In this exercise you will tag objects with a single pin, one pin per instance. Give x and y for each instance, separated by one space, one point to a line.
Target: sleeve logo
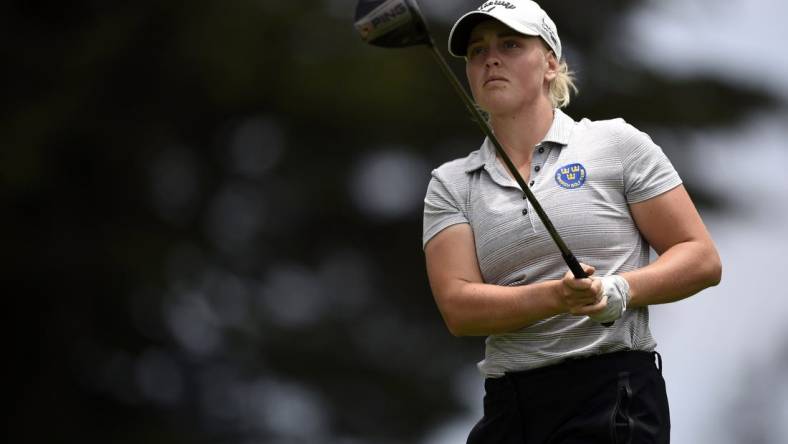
571 176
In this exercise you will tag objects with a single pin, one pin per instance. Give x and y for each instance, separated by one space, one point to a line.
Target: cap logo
549 30
571 176
490 5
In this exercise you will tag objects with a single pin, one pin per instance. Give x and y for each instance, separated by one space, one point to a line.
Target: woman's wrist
616 289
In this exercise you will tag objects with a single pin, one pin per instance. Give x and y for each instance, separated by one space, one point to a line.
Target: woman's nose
492 61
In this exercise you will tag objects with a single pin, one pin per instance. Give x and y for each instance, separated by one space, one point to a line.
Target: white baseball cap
523 16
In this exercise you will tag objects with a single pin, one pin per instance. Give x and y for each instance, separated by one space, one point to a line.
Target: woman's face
507 71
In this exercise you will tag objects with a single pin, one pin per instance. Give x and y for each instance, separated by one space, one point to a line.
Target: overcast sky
738 40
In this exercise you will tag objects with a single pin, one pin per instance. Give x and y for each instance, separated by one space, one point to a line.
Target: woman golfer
553 373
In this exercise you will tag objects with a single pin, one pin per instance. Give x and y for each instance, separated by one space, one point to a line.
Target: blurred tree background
212 214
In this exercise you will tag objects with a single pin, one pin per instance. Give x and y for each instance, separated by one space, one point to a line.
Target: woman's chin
499 109
498 101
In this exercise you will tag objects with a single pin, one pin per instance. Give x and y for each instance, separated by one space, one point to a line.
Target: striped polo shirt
584 174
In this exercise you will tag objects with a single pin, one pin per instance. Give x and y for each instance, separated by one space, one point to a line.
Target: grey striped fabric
584 174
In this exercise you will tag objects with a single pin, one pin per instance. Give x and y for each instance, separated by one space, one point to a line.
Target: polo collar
560 131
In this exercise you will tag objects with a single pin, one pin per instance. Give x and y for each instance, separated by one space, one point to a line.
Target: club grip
574 266
578 272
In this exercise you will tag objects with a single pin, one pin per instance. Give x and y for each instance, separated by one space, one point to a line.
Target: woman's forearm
683 270
478 309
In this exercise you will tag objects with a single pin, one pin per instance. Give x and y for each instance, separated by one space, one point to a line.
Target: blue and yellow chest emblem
571 176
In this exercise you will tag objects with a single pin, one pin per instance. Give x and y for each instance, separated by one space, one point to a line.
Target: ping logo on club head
571 176
383 24
390 15
492 4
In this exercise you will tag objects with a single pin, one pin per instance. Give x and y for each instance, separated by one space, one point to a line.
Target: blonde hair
562 86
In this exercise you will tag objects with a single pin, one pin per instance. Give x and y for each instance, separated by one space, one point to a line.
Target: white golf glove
616 289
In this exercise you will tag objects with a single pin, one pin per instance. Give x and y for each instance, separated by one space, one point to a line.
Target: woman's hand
583 296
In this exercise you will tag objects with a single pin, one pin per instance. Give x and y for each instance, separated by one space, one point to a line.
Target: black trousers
614 398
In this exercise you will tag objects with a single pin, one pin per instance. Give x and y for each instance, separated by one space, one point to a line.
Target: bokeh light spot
389 184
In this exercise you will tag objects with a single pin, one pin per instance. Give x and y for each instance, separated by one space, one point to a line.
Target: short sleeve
647 170
442 208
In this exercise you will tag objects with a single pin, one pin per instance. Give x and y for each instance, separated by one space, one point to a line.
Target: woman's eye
476 50
510 44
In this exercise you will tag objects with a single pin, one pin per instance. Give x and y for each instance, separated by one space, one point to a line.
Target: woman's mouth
492 79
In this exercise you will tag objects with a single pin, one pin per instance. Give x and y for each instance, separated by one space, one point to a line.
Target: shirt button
537 168
541 149
524 195
525 211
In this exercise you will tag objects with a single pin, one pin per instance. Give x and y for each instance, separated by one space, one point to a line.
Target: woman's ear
551 71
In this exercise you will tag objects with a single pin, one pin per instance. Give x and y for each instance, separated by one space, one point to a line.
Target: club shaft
569 258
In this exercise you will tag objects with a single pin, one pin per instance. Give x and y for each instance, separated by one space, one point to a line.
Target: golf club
399 24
